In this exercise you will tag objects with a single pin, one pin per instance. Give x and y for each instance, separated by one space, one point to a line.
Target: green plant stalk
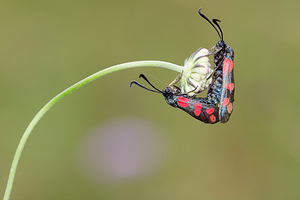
64 93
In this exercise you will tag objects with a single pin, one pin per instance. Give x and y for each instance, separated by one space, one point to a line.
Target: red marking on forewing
225 101
229 86
197 105
229 108
197 110
182 104
226 64
183 99
210 110
230 65
212 118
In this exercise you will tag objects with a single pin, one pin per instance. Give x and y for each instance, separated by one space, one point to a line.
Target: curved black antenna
202 15
144 77
215 21
136 83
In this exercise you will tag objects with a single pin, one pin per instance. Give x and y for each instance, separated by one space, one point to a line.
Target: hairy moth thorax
169 93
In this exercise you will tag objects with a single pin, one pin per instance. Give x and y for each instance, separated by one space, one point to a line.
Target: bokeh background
109 141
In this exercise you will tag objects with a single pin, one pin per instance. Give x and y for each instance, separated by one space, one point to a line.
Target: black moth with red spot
217 105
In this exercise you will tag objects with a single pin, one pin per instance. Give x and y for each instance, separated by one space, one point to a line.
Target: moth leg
176 80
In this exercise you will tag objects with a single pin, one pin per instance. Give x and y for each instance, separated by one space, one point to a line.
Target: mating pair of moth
217 106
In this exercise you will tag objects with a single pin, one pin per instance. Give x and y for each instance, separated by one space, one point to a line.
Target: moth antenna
136 83
215 21
202 15
144 77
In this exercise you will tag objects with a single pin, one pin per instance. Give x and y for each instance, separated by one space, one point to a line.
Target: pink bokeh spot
122 150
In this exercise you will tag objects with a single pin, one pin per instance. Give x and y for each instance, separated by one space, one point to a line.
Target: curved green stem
64 93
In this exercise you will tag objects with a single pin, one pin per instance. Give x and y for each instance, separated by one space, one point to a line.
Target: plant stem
64 93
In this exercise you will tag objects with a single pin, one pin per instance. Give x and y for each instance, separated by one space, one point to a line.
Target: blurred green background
107 141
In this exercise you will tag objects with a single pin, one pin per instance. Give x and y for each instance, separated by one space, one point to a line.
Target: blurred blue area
47 46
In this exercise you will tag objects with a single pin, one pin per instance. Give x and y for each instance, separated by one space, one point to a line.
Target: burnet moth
217 106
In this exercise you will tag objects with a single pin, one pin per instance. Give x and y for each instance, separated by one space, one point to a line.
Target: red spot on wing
210 110
230 66
197 105
229 86
212 118
183 99
225 101
197 110
229 108
226 64
182 104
